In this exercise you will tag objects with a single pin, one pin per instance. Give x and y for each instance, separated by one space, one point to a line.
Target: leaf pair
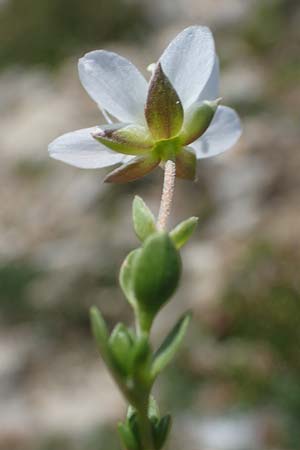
129 431
144 224
125 354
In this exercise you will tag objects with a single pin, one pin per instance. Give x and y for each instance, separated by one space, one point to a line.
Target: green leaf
130 412
126 277
121 344
127 437
164 111
156 271
141 351
161 431
143 219
99 330
153 410
164 355
183 231
133 424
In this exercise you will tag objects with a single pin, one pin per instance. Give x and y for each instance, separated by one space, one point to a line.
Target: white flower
189 69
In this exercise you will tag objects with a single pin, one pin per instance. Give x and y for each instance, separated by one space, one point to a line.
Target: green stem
143 328
143 322
145 426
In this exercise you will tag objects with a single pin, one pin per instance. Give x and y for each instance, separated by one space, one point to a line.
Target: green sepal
197 119
164 111
126 277
186 164
129 139
183 231
156 271
127 438
134 169
143 219
121 344
161 430
164 355
99 330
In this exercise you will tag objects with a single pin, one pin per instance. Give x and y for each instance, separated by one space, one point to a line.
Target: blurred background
64 234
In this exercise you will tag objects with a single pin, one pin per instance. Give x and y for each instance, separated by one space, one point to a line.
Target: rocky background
63 234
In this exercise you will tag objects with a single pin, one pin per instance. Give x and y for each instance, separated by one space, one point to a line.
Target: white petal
188 62
222 134
115 84
211 90
80 149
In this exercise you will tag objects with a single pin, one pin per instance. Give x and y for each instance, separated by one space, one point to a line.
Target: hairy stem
167 195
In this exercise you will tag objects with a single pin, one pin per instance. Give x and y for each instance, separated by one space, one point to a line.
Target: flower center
167 148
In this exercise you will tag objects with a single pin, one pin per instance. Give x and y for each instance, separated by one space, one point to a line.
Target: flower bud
156 272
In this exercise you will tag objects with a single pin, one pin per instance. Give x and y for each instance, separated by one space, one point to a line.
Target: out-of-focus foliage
267 37
47 31
263 301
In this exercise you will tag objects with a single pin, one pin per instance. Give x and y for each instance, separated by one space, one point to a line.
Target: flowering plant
171 122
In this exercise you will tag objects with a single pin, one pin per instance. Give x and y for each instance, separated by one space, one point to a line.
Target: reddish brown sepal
186 164
137 168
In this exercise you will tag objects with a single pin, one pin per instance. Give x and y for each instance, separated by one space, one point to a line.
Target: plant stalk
167 195
145 427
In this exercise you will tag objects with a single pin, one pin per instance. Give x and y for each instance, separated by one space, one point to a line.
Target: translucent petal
188 62
114 83
211 90
223 133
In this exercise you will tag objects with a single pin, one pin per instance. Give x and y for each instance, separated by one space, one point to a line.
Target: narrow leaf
127 437
131 171
130 412
183 231
143 219
121 344
162 431
126 277
133 424
170 346
141 351
164 112
99 329
153 410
